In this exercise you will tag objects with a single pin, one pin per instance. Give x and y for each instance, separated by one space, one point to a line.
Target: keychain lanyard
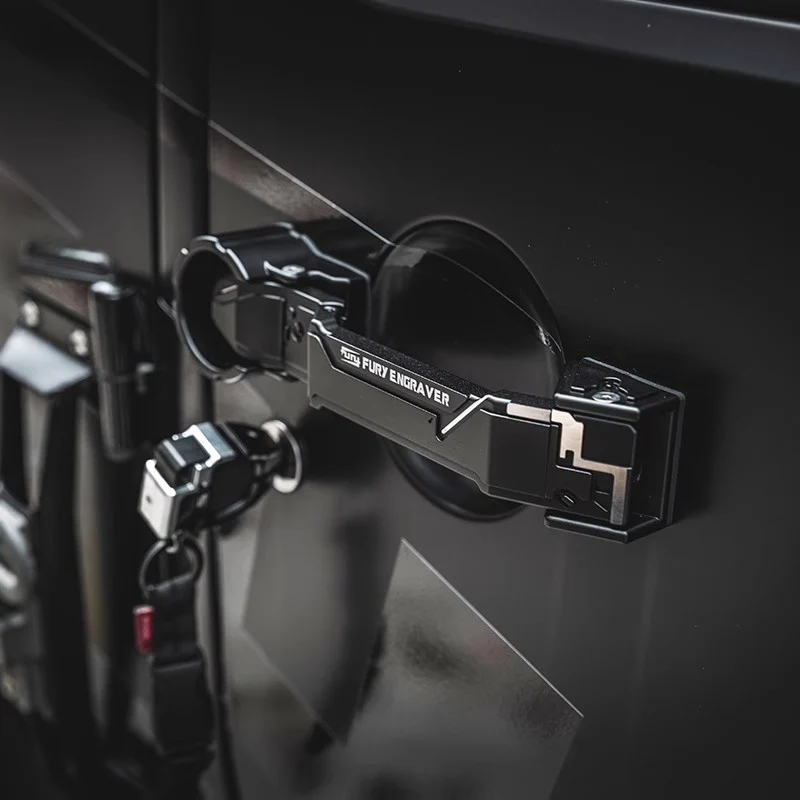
166 630
207 475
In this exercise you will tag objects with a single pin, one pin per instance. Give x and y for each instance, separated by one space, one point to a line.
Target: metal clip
211 473
179 475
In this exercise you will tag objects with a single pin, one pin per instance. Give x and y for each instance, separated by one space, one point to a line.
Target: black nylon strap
183 723
183 719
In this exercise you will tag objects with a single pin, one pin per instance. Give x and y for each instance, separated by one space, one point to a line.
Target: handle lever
600 455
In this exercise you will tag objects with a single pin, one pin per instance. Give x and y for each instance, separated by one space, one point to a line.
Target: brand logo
388 374
351 356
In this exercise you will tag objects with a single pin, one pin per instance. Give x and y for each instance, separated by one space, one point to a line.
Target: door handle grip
600 455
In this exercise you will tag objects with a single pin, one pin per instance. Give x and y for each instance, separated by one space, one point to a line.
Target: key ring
171 546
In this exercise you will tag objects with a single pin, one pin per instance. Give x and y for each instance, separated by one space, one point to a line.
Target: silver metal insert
529 412
476 404
572 440
217 447
159 502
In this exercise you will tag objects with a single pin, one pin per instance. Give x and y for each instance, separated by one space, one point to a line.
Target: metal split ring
171 546
282 435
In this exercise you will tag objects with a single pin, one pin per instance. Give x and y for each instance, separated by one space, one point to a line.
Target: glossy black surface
125 30
460 315
75 128
494 727
754 37
653 206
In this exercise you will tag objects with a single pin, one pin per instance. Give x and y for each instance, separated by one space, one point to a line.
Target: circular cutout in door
453 295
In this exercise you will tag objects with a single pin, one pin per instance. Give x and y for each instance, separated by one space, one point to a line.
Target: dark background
656 205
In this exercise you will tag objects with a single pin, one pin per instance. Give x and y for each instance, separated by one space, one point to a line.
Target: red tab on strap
143 629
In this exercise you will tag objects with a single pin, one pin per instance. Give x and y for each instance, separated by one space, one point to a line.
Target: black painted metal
444 311
74 151
745 36
50 677
99 106
654 206
642 198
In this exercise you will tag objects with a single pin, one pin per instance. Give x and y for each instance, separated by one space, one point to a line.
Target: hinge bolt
30 314
79 343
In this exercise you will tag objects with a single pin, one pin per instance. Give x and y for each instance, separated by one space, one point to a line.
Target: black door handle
600 454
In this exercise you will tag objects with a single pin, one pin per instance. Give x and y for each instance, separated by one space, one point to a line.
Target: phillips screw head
606 397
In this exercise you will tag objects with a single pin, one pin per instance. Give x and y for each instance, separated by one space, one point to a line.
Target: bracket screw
30 314
79 342
606 397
